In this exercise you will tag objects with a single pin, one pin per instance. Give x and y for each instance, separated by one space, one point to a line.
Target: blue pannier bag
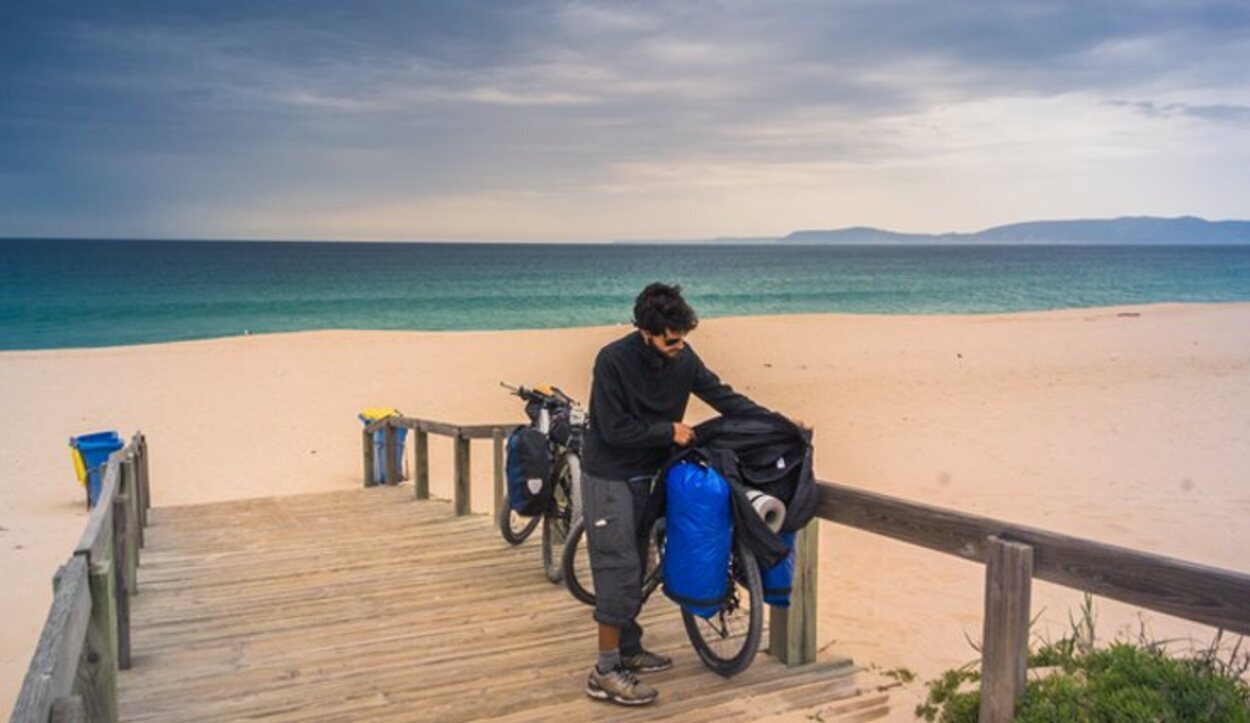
779 578
529 471
699 538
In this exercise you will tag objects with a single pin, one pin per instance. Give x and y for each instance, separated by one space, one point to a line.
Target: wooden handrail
86 638
1209 595
461 436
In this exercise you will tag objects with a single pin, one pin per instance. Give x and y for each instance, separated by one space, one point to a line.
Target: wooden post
121 582
497 438
130 486
390 438
367 439
134 535
792 631
421 448
145 488
1004 645
97 671
53 667
463 497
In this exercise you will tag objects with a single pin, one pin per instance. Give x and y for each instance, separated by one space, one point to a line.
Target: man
642 384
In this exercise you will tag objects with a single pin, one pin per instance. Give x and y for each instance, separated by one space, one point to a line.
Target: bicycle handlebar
556 398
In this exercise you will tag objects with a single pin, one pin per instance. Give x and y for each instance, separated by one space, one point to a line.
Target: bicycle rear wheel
728 640
515 528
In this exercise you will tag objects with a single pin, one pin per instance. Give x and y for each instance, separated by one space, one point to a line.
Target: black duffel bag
529 471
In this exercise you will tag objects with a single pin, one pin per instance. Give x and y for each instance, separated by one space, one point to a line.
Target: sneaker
619 686
646 662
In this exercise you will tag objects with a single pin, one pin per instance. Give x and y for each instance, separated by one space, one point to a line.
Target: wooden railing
461 436
1012 554
86 639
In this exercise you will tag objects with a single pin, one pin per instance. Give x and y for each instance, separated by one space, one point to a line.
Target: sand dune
1126 425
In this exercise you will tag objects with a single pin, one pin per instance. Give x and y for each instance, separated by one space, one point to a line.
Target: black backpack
529 469
772 455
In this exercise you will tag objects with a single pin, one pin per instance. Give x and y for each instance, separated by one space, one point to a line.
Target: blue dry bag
779 578
700 535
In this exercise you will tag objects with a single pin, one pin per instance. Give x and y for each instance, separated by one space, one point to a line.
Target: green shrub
1122 682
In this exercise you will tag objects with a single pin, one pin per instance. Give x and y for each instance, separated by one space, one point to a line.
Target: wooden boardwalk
367 605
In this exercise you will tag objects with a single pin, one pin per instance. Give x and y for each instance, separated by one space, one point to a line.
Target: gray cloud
124 116
1220 113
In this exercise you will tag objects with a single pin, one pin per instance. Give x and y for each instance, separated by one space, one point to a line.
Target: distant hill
1127 230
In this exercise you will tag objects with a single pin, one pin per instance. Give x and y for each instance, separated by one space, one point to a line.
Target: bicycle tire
557 521
577 575
508 520
575 563
712 639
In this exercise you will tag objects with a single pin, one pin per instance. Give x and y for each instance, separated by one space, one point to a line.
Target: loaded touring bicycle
723 545
544 473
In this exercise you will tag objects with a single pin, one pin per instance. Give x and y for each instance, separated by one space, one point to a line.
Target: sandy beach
1124 425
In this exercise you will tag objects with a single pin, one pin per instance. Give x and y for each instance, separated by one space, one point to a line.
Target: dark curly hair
661 308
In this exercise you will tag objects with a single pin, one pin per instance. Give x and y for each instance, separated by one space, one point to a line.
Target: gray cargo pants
613 509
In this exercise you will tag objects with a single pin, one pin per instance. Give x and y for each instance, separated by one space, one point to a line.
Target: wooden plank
792 631
462 498
497 482
442 428
390 441
367 451
1210 595
52 668
1004 645
421 449
486 431
97 538
121 581
97 670
446 429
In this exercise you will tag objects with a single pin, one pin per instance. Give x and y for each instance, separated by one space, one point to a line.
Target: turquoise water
71 293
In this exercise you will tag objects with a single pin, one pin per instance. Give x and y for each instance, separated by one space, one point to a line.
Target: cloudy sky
565 121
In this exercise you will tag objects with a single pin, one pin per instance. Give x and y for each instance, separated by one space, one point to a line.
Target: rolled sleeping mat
769 508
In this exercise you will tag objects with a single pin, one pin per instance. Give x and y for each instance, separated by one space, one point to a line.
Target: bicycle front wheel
515 528
727 641
575 564
556 522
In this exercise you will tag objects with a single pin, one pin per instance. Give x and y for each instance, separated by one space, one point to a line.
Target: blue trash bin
95 450
372 415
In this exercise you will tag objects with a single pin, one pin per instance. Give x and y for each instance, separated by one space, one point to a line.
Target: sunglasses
671 340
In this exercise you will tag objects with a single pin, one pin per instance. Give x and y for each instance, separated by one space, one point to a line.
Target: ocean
82 293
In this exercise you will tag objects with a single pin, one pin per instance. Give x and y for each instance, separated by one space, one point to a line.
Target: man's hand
682 435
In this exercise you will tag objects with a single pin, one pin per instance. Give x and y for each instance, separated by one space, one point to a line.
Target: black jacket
636 396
